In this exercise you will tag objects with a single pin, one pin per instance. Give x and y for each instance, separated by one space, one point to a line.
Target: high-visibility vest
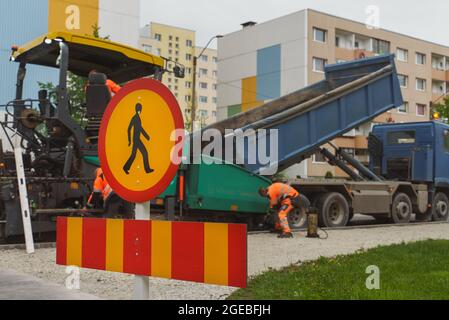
278 192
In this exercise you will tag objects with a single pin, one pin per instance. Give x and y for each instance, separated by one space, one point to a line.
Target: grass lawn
408 271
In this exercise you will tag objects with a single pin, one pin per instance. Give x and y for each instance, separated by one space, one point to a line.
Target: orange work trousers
286 208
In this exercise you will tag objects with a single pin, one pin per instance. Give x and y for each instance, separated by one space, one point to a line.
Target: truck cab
415 152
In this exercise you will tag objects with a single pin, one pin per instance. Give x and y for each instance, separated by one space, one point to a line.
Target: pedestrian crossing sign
140 141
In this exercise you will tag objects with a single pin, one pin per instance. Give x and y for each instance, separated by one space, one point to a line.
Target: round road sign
136 140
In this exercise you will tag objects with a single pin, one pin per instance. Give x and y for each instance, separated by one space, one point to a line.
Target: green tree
442 108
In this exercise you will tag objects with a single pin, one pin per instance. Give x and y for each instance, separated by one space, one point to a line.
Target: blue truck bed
352 93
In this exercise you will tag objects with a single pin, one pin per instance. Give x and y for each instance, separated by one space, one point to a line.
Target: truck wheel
298 218
334 210
401 209
440 207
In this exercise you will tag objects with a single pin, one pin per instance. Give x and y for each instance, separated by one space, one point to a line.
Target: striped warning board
211 253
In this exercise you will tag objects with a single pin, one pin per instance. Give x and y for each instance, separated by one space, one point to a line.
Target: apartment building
264 61
207 86
179 45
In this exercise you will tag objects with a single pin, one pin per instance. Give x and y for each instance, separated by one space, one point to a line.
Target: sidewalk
15 286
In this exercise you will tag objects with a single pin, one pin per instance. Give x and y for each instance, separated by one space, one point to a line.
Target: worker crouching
285 199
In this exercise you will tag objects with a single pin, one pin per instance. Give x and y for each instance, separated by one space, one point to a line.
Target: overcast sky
428 20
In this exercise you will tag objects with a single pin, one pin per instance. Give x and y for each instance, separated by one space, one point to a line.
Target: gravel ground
265 251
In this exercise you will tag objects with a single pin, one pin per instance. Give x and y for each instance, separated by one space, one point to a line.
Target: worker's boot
285 235
276 231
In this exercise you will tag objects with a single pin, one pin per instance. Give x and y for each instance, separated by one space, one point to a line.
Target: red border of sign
161 186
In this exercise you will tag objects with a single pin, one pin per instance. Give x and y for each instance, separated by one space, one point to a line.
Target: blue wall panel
22 21
269 73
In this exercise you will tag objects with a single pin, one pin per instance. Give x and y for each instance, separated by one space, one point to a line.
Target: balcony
440 74
361 142
351 54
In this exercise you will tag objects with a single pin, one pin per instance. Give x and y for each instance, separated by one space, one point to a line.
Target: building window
421 110
420 84
204 113
147 48
158 37
403 80
319 64
381 46
204 58
214 114
215 73
404 108
420 58
319 35
189 70
170 38
402 55
188 84
203 72
203 85
189 43
215 59
214 86
349 151
159 52
203 99
214 100
319 158
188 57
188 98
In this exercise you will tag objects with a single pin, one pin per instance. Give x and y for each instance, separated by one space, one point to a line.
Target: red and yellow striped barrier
211 253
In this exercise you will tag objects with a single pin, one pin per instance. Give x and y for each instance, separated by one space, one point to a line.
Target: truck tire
440 207
334 210
298 218
401 209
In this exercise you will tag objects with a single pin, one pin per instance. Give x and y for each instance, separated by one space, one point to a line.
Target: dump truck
60 154
408 170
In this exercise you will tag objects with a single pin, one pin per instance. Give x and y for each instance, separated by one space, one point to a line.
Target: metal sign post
142 284
24 205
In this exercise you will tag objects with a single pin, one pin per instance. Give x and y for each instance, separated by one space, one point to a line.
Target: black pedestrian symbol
137 144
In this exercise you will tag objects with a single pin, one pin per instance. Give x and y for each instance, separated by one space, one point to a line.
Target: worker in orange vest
103 195
113 87
285 198
97 197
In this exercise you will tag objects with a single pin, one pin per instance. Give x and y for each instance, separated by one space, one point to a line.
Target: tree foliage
443 108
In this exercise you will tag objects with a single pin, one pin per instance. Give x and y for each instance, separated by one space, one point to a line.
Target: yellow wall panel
77 16
249 94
